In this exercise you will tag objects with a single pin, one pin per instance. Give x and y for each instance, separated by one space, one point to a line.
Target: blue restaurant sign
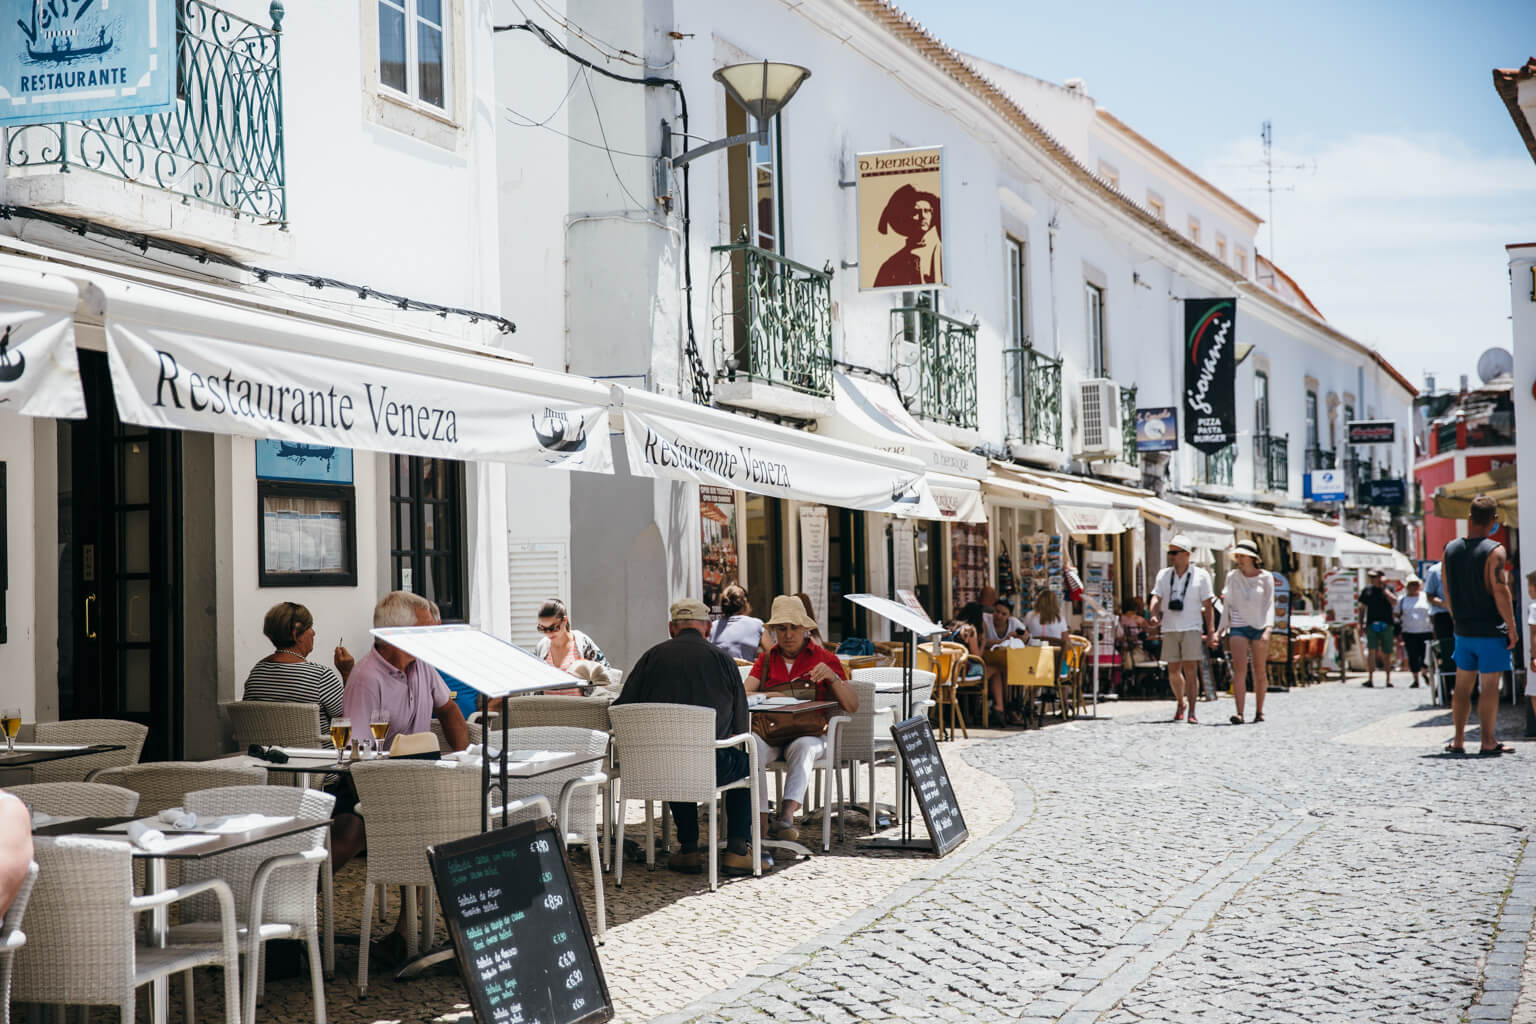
1157 430
1389 493
73 60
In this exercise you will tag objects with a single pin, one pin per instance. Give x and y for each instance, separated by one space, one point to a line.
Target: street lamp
762 88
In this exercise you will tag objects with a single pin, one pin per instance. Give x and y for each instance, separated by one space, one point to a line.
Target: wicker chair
81 947
12 938
867 740
78 799
949 671
273 882
129 735
410 806
825 774
580 712
275 722
667 752
164 784
575 793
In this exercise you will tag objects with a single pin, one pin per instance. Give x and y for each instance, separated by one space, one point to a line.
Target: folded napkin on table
144 837
177 818
39 818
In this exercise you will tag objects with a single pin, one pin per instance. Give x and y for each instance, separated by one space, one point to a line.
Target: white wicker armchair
273 882
129 735
667 752
540 709
81 947
164 784
574 792
12 938
280 722
410 806
78 799
825 774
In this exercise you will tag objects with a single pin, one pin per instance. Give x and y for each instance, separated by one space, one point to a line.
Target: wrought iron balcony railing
1357 479
1318 458
1271 463
772 320
1219 467
1128 425
946 360
1034 396
222 144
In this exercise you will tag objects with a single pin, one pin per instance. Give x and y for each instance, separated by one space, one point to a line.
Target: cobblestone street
1327 865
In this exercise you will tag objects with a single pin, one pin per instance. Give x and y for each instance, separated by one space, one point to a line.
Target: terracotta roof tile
1507 82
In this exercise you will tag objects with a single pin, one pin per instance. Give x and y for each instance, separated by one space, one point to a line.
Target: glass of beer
341 734
10 718
378 723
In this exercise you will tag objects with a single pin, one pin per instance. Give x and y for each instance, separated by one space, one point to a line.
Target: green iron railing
1034 396
223 141
1219 466
946 388
1271 463
773 320
1317 458
1128 454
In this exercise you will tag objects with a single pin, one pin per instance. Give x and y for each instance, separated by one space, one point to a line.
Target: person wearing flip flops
1183 603
1247 617
1476 578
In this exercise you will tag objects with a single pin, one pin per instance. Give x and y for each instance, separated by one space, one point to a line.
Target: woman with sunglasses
560 644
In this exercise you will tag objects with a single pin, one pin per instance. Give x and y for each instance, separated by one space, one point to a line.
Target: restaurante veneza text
280 403
721 462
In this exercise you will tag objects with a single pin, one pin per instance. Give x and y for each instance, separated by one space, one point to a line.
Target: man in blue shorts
1475 573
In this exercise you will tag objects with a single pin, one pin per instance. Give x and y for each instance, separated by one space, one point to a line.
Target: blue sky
1421 178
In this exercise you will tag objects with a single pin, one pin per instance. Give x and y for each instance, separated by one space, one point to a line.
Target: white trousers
801 754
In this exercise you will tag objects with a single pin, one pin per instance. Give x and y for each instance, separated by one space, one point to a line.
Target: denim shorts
1248 632
1482 654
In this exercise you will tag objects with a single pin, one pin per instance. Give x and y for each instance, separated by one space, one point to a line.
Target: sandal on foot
1237 719
1455 751
1258 717
1501 749
1192 719
1178 716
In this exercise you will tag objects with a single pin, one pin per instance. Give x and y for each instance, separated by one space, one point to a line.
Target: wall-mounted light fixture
762 89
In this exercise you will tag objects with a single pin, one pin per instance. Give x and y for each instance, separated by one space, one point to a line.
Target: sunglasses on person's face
551 629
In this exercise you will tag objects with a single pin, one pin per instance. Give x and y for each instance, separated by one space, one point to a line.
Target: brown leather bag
779 730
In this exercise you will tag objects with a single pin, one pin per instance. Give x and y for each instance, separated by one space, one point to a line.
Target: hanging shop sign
1371 431
39 372
1389 493
717 521
73 60
813 559
1324 485
1210 373
901 244
1157 430
180 363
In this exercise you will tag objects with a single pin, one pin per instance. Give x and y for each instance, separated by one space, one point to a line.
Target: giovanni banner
1210 373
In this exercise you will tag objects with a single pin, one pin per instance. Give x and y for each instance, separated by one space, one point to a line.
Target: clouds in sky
1399 240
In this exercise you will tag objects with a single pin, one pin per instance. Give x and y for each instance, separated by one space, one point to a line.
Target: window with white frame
1097 364
1018 332
1242 262
1221 247
413 56
1194 230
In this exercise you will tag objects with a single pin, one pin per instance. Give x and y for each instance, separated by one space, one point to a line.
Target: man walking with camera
1183 602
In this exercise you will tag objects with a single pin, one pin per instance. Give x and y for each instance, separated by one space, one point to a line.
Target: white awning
958 498
184 362
671 439
1004 488
1083 509
1202 530
39 373
1305 535
1359 553
868 413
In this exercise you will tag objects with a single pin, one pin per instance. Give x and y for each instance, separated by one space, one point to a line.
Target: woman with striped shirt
287 674
1248 616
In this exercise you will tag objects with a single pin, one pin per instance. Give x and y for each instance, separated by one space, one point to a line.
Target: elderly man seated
796 658
389 679
688 669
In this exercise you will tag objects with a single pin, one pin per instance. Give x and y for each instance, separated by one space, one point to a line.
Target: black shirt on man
1464 573
688 669
1378 606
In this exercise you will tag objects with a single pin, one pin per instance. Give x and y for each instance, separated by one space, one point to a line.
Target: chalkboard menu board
930 782
518 928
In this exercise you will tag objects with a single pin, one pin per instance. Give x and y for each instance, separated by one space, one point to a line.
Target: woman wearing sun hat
1247 617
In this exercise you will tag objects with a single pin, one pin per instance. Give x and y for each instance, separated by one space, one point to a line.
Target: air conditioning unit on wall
1101 436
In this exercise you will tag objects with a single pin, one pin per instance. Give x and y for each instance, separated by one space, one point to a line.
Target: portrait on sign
901 219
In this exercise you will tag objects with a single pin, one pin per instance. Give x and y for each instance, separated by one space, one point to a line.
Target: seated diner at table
970 630
1001 624
796 657
15 847
563 645
736 631
287 674
1045 621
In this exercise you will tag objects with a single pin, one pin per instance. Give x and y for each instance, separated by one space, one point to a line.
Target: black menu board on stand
930 782
518 927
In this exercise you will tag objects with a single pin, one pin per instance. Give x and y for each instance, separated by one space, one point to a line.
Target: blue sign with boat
311 463
74 60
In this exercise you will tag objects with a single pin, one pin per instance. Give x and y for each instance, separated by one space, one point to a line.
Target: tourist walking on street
1376 607
1182 604
1248 618
1414 623
1476 577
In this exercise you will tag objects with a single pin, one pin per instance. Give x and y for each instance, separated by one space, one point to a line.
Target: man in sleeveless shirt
1475 573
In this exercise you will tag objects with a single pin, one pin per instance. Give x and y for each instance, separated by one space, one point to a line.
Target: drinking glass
341 734
10 718
378 723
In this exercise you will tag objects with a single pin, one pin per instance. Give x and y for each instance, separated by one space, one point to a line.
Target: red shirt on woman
772 669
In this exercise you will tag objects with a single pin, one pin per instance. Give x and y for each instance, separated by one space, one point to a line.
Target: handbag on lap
778 730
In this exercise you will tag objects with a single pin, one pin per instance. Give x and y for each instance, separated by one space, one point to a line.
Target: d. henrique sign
69 60
708 448
1210 374
468 407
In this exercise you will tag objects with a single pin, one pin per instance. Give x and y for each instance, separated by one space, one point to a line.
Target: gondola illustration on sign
11 366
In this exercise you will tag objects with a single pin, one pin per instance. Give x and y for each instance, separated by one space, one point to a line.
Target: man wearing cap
1378 611
796 656
1183 603
688 669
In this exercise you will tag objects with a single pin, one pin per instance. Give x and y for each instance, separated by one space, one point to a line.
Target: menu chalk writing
518 927
930 783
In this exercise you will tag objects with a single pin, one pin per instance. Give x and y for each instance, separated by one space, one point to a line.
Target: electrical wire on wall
702 392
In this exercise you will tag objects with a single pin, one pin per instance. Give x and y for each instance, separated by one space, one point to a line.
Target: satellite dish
1496 362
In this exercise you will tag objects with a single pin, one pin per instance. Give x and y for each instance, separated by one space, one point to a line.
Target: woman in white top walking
1248 616
1415 626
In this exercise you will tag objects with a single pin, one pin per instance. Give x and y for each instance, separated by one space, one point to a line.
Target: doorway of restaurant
120 571
847 549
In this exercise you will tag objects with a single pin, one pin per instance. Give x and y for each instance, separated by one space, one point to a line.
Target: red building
1460 434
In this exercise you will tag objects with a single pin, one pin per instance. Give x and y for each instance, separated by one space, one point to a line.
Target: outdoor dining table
192 844
36 753
521 764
